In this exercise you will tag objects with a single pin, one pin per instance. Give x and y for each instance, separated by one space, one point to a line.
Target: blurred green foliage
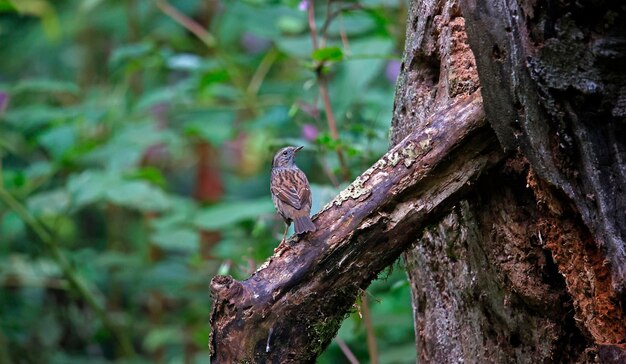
136 140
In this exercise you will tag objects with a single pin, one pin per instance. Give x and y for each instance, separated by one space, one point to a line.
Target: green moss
324 331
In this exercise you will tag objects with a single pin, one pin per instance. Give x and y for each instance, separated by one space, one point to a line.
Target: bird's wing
292 187
305 192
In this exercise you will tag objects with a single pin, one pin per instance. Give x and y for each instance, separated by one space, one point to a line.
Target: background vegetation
136 140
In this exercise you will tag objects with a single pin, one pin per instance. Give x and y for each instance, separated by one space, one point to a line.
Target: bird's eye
285 153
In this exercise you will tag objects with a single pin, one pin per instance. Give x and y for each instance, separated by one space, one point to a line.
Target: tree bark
291 308
555 88
514 256
529 266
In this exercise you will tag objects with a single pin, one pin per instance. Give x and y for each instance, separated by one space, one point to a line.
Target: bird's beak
298 148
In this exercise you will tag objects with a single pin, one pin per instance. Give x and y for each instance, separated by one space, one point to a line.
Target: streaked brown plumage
291 192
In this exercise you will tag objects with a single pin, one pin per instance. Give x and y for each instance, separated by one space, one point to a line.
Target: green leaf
186 240
162 95
44 11
10 143
94 186
39 170
214 76
13 179
129 52
57 140
291 24
353 24
88 187
138 195
163 336
297 46
169 276
33 271
216 127
182 212
149 174
6 6
46 86
221 215
52 202
88 5
36 116
258 19
11 226
125 149
354 74
327 54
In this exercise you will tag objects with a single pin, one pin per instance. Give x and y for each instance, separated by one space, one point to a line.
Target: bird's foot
281 248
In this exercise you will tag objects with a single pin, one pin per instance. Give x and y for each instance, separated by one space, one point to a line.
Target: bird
291 192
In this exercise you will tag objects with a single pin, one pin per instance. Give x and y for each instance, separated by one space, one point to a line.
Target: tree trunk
530 266
514 245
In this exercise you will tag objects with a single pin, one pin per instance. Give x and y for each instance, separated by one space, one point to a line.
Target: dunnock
291 192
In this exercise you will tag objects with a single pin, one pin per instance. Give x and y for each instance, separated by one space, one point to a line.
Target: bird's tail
303 224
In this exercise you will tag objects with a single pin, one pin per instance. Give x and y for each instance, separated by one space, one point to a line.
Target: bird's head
285 157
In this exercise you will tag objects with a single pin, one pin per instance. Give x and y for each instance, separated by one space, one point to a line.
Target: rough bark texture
515 257
292 307
530 266
555 87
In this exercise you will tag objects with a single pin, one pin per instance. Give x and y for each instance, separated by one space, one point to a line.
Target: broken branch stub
290 309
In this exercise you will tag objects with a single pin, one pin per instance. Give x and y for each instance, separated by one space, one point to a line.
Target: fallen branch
291 308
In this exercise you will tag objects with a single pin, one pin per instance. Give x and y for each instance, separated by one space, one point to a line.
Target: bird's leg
282 247
285 234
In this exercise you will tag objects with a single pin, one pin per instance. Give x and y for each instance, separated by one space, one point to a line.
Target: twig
312 27
323 85
326 20
372 348
187 23
328 107
330 16
211 42
261 71
346 351
132 23
332 125
91 295
344 39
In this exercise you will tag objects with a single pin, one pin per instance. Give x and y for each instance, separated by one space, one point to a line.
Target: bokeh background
136 140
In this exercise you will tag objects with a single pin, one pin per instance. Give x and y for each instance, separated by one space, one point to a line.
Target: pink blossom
309 132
